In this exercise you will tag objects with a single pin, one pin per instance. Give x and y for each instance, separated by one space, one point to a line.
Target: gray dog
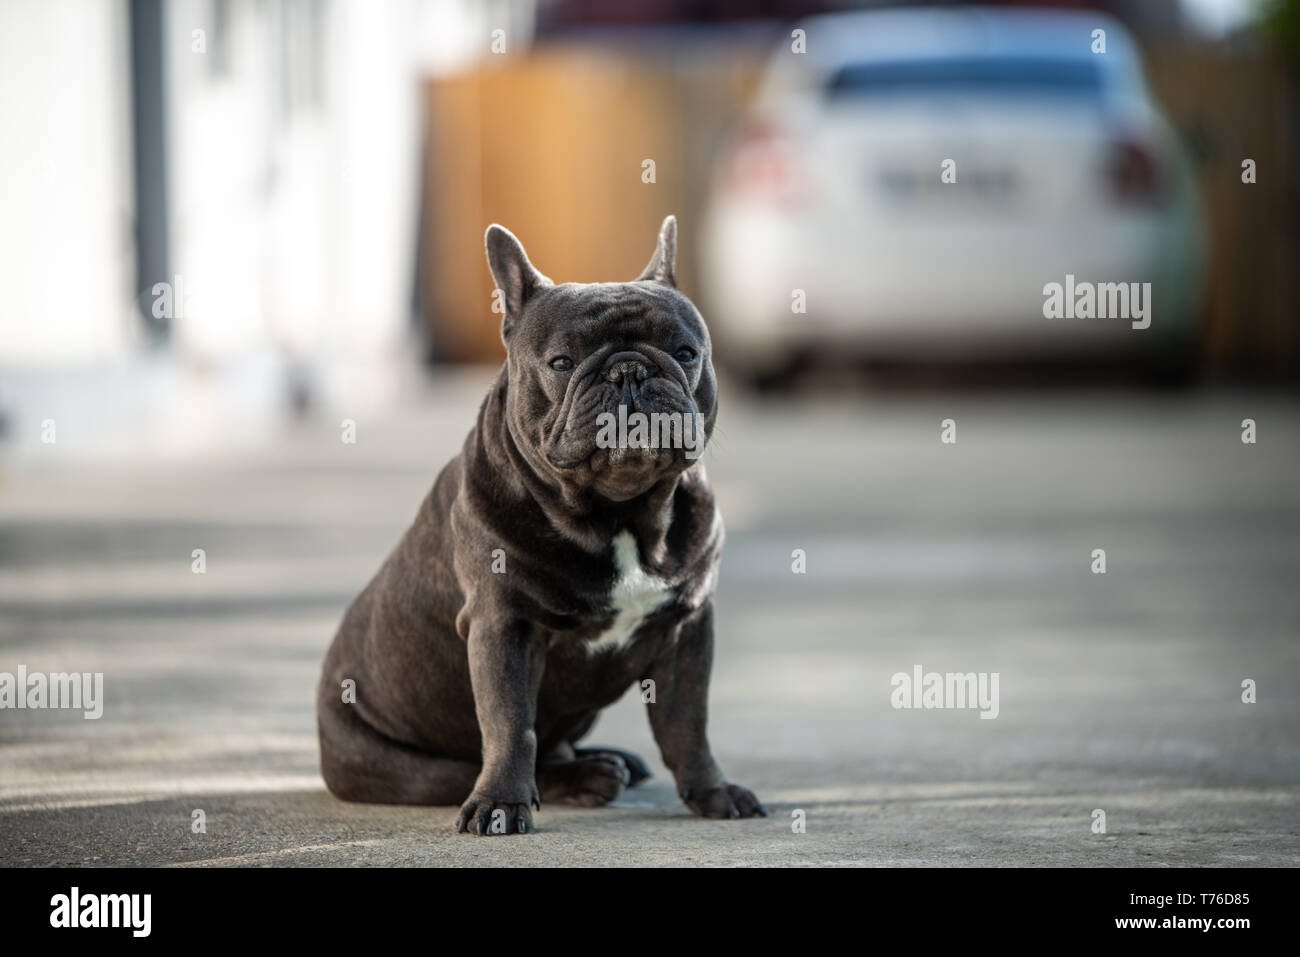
545 573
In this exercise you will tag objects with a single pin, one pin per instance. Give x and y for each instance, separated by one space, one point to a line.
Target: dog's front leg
679 718
505 670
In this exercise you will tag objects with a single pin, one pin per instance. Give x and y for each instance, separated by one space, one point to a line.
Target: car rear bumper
972 291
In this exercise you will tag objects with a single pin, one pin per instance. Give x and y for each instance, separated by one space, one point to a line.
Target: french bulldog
546 573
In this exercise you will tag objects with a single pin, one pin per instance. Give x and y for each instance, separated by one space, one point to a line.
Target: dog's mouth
629 437
622 435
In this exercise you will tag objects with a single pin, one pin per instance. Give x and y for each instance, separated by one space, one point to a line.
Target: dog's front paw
483 814
728 801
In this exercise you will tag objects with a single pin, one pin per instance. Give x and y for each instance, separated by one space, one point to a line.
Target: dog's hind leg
360 764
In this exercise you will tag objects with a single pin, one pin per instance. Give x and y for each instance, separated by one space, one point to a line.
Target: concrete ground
1119 692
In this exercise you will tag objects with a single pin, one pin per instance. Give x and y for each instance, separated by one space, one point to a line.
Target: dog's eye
685 355
561 363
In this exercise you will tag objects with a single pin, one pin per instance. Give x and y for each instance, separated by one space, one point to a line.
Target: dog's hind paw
590 780
637 768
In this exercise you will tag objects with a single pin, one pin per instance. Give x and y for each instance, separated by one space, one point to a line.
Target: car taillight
763 166
1134 173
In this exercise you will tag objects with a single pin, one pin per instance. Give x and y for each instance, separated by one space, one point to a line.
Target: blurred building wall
294 147
66 256
293 142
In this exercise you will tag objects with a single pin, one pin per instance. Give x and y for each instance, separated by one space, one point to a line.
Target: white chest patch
634 596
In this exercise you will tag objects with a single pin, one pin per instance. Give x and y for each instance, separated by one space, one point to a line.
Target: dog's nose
627 371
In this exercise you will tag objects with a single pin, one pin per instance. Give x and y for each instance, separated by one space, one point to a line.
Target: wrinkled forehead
596 313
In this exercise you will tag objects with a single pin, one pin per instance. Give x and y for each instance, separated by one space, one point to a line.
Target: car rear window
1007 76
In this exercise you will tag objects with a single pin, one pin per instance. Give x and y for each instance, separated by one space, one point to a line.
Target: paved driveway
1119 692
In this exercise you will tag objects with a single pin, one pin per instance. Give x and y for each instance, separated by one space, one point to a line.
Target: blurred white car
834 190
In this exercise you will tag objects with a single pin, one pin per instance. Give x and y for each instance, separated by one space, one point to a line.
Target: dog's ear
660 268
514 275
